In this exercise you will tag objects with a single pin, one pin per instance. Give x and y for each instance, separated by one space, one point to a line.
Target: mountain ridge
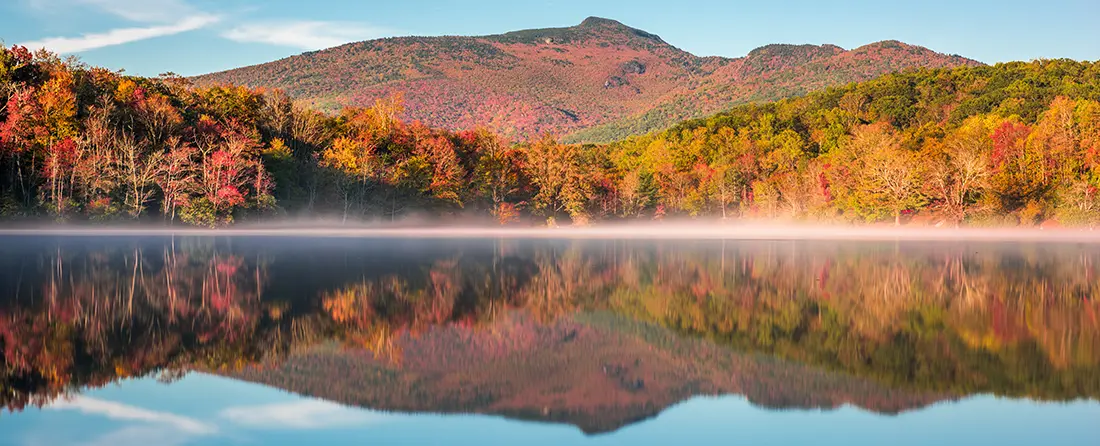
598 372
600 73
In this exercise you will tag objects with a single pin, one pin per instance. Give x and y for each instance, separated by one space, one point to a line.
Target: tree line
1014 143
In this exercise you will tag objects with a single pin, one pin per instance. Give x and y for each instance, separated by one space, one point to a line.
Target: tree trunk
897 217
723 199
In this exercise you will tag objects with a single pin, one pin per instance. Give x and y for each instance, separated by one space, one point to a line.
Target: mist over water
657 231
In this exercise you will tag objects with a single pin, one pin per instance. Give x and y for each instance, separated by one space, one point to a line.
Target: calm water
196 341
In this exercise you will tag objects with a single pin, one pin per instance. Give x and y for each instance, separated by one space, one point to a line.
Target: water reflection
597 334
207 410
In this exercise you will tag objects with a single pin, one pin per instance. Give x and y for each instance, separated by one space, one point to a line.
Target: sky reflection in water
209 410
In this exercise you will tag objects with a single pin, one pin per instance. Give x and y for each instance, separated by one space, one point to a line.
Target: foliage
1015 142
968 144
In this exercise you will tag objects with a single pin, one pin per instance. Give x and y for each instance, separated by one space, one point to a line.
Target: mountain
595 371
600 76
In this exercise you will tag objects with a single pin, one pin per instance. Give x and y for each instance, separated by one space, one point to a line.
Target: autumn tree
44 125
1067 131
892 175
18 133
158 118
880 176
498 171
1021 172
356 168
634 193
736 167
176 177
138 164
230 176
57 168
560 178
959 173
95 170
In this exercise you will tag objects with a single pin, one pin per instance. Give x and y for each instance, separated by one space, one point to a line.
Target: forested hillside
1014 143
600 73
1009 144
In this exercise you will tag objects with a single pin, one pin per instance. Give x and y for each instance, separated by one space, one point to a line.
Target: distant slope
597 372
771 73
600 73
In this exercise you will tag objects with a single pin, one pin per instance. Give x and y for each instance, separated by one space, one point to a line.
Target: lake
204 340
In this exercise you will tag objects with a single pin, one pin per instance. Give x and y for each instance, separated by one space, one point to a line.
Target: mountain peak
891 44
600 23
597 22
592 27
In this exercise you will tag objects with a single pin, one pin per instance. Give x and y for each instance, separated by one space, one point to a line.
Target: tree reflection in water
943 319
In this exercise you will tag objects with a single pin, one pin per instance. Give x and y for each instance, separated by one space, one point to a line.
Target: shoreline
623 232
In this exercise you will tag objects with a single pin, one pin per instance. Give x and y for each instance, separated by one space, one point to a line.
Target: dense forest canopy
1015 143
1010 143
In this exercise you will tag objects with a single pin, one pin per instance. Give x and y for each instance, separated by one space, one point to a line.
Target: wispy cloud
140 11
159 18
144 11
140 436
119 411
310 35
300 415
156 18
68 45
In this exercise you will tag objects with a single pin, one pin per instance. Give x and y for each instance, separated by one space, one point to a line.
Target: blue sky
149 37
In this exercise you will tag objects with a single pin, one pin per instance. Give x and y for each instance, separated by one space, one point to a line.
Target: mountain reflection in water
596 334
